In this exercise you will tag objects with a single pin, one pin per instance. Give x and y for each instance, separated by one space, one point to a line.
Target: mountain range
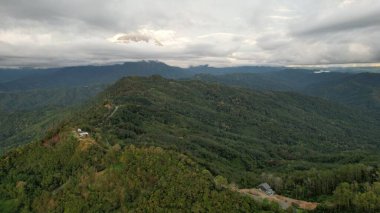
165 138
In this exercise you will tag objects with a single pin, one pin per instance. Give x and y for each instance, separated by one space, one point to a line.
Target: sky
54 33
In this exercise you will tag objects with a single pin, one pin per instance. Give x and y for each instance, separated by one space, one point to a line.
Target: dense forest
172 141
305 147
360 90
18 128
27 115
29 100
67 174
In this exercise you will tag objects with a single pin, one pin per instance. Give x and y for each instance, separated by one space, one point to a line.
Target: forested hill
361 90
87 75
283 80
26 115
30 100
305 147
65 173
234 132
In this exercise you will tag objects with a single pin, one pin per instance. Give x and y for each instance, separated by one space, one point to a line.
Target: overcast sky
49 33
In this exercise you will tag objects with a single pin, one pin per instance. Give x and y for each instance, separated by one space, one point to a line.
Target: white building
82 134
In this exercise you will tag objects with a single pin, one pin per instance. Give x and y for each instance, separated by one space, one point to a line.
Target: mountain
164 144
69 174
32 91
29 100
273 76
14 74
27 79
235 132
21 127
90 75
205 69
359 90
26 115
283 80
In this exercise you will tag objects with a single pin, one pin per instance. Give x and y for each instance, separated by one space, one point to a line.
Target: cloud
347 22
134 37
48 33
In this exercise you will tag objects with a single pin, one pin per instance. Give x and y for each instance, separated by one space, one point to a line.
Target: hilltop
66 173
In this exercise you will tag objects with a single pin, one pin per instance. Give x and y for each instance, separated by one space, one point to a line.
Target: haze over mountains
341 85
48 90
87 75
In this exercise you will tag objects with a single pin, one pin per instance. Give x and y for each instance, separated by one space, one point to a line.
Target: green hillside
283 80
38 98
67 174
305 147
19 128
26 115
234 132
360 90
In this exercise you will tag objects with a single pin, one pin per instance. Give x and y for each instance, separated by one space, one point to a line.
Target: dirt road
284 202
114 111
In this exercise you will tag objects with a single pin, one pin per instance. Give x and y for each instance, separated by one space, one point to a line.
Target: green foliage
314 184
66 176
354 198
360 90
39 98
27 115
304 147
233 132
220 181
18 128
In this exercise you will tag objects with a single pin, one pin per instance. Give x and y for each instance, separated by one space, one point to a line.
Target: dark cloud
350 23
136 37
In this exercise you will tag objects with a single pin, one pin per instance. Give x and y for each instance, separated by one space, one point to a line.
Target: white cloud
68 32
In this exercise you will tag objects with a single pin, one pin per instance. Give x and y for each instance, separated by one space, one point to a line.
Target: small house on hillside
266 188
82 134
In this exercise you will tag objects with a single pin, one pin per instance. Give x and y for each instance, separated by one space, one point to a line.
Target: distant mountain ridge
352 88
106 74
360 90
89 75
